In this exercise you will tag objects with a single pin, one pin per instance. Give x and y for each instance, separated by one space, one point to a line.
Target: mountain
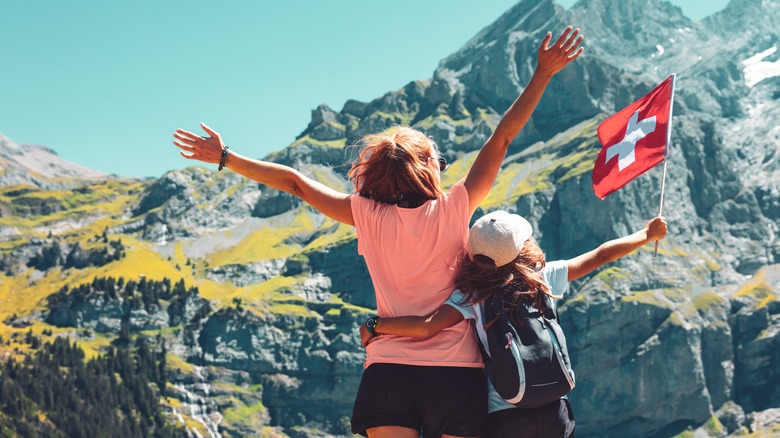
38 166
258 298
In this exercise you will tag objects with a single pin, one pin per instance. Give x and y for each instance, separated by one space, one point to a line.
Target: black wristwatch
371 324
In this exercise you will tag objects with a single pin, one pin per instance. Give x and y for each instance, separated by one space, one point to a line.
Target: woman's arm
414 326
329 202
551 60
615 249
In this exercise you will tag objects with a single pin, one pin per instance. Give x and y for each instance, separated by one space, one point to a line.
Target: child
502 257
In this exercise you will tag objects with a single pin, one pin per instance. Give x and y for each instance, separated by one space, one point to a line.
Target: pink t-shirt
411 254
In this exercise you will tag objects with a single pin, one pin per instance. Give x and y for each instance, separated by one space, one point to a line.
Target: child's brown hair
480 279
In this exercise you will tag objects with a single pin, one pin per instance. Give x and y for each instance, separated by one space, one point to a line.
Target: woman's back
410 253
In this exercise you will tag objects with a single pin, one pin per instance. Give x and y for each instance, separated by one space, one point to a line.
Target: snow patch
756 69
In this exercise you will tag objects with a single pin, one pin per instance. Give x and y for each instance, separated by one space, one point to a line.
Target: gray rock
273 202
246 274
661 345
731 416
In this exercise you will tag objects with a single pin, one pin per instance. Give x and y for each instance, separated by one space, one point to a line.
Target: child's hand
656 229
365 336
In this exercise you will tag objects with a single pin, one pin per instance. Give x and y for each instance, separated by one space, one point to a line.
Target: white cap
499 235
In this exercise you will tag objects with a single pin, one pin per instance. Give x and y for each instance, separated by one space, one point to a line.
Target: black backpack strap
548 304
492 309
485 356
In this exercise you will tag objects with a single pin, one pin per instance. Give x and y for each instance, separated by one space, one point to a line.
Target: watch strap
371 324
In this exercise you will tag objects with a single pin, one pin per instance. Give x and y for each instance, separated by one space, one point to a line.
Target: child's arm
414 326
615 249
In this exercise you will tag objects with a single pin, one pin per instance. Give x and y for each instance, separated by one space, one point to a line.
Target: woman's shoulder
364 203
457 189
456 199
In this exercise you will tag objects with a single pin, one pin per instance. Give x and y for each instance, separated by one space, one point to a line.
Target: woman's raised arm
329 202
551 60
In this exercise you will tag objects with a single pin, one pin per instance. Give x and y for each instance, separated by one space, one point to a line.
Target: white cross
624 149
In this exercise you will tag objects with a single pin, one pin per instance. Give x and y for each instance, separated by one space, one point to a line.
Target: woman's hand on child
196 147
656 229
365 336
553 59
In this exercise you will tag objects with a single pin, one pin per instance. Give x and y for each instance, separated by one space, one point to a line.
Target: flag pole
666 155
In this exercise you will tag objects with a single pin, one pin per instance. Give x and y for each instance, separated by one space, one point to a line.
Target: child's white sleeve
458 301
556 274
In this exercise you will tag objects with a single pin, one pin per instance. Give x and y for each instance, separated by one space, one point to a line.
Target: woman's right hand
195 147
365 336
656 229
553 59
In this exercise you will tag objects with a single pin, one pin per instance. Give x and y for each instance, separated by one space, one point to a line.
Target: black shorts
551 421
436 400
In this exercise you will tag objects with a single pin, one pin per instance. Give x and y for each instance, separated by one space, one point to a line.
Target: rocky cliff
679 344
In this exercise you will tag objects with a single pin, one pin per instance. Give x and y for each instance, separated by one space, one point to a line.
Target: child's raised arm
413 326
615 249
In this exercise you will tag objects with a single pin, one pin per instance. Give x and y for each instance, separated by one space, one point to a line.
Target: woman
502 259
410 233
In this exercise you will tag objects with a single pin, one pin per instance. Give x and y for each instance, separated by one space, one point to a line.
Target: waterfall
197 404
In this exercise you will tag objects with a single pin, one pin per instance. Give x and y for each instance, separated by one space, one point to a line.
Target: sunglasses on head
442 164
442 160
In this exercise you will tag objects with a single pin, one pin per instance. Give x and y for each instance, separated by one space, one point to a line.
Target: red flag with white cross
634 140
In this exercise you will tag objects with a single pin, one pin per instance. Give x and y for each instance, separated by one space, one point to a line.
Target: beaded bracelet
223 160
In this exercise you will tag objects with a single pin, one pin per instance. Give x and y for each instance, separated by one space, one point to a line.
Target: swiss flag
634 140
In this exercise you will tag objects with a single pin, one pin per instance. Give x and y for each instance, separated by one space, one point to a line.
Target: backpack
527 360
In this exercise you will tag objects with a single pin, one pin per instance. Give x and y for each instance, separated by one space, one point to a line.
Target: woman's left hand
195 147
553 59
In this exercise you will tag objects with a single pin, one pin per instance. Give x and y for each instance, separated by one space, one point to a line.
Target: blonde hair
392 168
479 279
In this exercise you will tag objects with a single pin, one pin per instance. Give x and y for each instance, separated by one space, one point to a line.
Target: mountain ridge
38 166
663 346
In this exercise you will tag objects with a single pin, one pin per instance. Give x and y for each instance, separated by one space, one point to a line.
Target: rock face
309 374
659 345
685 342
108 306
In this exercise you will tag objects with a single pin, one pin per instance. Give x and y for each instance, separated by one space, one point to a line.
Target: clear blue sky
105 83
